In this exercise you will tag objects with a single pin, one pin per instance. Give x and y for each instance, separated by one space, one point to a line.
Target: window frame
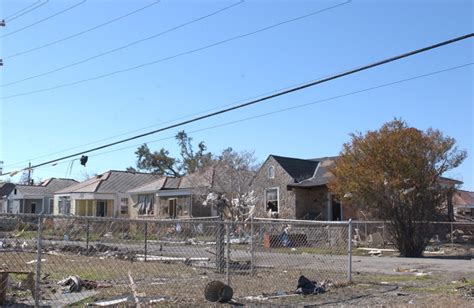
277 199
124 205
271 172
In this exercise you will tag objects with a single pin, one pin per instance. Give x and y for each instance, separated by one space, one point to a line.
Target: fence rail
62 260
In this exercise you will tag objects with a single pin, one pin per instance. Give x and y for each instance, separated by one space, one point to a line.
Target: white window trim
271 175
278 198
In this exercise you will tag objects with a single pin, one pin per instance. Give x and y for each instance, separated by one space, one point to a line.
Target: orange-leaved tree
395 173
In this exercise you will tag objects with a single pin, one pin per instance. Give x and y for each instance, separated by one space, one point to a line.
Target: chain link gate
63 260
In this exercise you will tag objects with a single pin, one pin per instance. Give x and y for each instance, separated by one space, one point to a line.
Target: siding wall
286 206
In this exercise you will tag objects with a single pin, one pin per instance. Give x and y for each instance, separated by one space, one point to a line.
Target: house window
123 205
64 205
271 172
146 204
271 200
14 192
51 206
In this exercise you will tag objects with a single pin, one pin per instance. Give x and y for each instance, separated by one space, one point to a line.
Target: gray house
294 188
5 190
35 199
170 197
105 195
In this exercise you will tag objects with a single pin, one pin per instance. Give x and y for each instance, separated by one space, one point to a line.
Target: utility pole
29 173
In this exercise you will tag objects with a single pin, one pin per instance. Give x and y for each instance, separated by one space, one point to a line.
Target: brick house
293 188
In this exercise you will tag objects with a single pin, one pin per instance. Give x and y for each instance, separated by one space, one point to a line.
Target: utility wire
81 32
287 109
277 94
124 46
44 19
163 59
26 10
300 105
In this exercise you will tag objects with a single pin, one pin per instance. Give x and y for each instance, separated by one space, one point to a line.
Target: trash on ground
306 286
34 261
217 291
75 284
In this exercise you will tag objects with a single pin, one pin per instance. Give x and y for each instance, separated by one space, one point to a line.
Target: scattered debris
75 284
217 291
34 261
422 274
133 287
306 286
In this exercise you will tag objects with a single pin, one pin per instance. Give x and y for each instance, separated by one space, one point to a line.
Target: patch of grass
396 278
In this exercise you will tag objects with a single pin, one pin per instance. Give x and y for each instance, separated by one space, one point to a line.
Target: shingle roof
194 180
463 198
298 169
6 189
46 188
322 175
112 181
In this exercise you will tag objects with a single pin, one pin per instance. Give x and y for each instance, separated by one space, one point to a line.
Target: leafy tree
161 162
395 172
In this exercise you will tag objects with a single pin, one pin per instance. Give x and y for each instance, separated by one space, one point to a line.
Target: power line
162 59
123 46
292 107
277 94
25 10
81 32
44 19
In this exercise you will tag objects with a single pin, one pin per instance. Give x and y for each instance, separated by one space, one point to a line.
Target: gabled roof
321 176
194 180
463 198
298 169
6 189
46 188
112 181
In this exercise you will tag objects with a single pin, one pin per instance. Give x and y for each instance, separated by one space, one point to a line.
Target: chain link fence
51 260
449 238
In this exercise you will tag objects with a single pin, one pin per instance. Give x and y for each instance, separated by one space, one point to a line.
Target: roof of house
322 175
46 188
463 198
194 180
112 181
298 169
6 189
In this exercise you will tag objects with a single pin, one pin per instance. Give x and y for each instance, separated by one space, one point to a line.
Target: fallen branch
133 287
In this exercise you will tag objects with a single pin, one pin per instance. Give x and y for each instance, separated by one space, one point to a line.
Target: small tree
395 172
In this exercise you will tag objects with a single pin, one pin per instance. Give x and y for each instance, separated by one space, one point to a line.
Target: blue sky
332 41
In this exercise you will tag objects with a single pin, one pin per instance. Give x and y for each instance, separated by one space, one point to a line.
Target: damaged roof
298 169
194 180
463 198
6 189
322 174
46 188
112 181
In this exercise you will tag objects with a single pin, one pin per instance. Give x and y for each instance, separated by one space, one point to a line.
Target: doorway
172 208
101 210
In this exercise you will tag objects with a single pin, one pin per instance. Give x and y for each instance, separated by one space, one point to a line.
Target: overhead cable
274 95
81 32
154 61
44 19
284 109
30 8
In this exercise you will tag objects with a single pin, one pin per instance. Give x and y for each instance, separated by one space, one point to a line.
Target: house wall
286 198
111 199
311 203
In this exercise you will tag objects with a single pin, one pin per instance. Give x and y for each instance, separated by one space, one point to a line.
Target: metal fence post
146 240
227 227
252 247
349 248
220 245
87 237
452 235
39 246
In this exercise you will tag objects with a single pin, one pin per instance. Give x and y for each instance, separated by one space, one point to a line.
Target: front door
101 210
172 208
